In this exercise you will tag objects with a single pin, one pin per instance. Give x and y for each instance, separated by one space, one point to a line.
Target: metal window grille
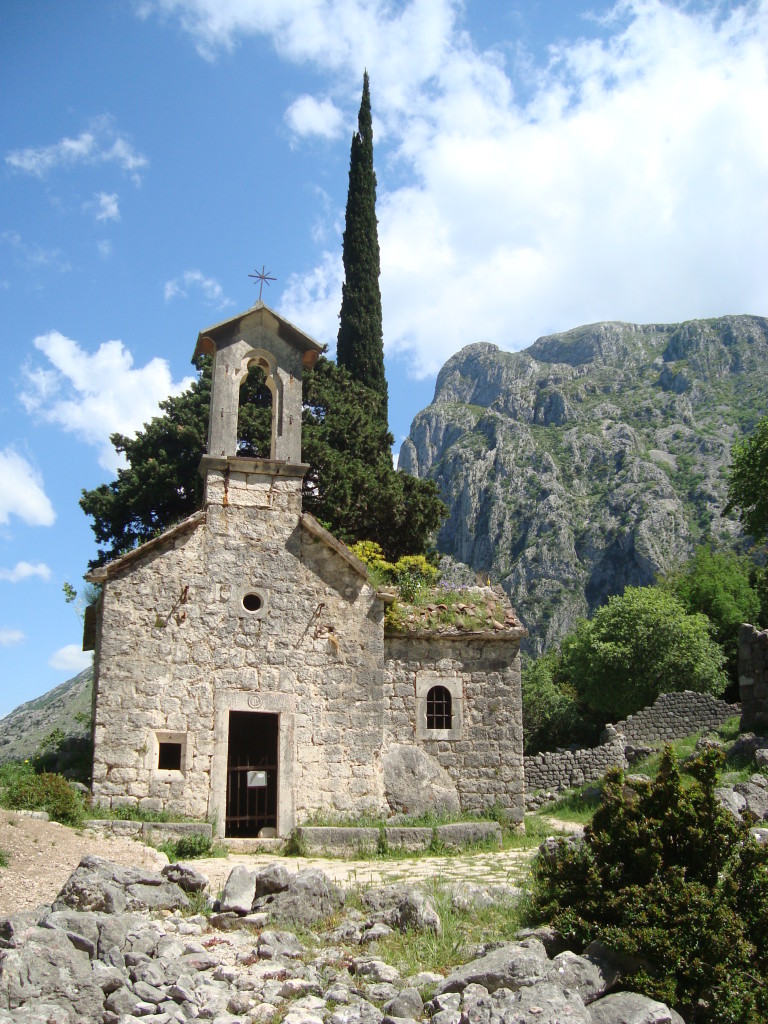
438 708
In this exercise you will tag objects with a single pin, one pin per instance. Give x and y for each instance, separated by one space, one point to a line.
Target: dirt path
42 855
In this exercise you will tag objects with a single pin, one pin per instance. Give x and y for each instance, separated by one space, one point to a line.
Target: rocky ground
122 945
43 854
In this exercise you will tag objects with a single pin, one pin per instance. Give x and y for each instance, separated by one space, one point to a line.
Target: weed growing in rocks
412 950
192 846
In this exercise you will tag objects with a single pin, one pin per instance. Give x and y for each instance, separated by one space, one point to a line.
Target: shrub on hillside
26 790
638 646
723 586
553 713
665 876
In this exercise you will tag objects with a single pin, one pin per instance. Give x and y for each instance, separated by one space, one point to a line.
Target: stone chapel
243 672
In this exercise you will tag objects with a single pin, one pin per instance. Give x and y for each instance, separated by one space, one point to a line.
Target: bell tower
283 352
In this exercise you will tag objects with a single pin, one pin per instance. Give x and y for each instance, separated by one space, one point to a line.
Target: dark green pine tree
360 346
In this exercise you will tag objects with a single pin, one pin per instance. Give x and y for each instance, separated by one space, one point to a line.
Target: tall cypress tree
360 346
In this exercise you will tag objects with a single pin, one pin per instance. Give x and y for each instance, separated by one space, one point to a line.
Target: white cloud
11 637
25 570
209 288
70 658
100 143
93 395
308 116
106 206
104 248
628 182
21 491
34 257
313 299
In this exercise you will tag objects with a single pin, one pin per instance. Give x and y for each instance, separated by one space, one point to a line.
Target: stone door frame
270 703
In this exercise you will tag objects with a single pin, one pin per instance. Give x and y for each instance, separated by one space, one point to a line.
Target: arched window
439 708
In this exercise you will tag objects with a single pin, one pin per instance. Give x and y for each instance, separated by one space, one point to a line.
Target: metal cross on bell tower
263 277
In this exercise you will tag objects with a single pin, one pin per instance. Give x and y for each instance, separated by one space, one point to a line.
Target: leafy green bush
747 477
666 876
24 790
188 847
13 772
410 574
553 713
638 646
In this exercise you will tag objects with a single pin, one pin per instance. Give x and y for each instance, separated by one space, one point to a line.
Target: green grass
130 813
4 859
576 806
650 765
462 930
430 819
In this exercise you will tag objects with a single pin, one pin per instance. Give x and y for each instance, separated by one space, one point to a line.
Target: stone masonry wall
484 757
671 716
177 652
753 678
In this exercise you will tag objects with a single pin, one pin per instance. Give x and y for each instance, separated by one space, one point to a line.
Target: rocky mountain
592 460
66 708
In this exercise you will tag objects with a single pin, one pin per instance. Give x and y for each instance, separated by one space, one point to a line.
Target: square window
169 757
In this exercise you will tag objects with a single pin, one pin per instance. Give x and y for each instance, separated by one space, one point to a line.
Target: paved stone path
505 867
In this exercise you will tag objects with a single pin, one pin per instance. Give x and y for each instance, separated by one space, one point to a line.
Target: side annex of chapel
242 670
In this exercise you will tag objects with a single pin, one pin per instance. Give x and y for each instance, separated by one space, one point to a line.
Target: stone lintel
258 467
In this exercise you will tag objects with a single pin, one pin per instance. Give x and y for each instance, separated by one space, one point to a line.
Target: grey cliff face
593 460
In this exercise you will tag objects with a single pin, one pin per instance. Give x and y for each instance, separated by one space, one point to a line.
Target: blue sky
540 165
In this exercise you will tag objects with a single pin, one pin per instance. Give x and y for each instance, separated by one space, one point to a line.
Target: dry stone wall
671 716
556 771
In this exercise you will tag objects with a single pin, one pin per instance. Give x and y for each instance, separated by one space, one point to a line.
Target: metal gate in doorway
252 757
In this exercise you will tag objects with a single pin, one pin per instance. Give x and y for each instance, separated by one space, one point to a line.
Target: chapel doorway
251 773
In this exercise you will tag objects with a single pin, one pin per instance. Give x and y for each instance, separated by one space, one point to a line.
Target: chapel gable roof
103 572
259 317
311 525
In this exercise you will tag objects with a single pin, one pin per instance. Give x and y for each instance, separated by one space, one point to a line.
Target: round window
252 602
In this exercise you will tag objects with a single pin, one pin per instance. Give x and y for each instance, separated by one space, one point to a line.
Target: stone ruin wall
485 758
753 678
671 716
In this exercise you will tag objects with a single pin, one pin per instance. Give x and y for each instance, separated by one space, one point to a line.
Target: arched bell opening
259 406
254 414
